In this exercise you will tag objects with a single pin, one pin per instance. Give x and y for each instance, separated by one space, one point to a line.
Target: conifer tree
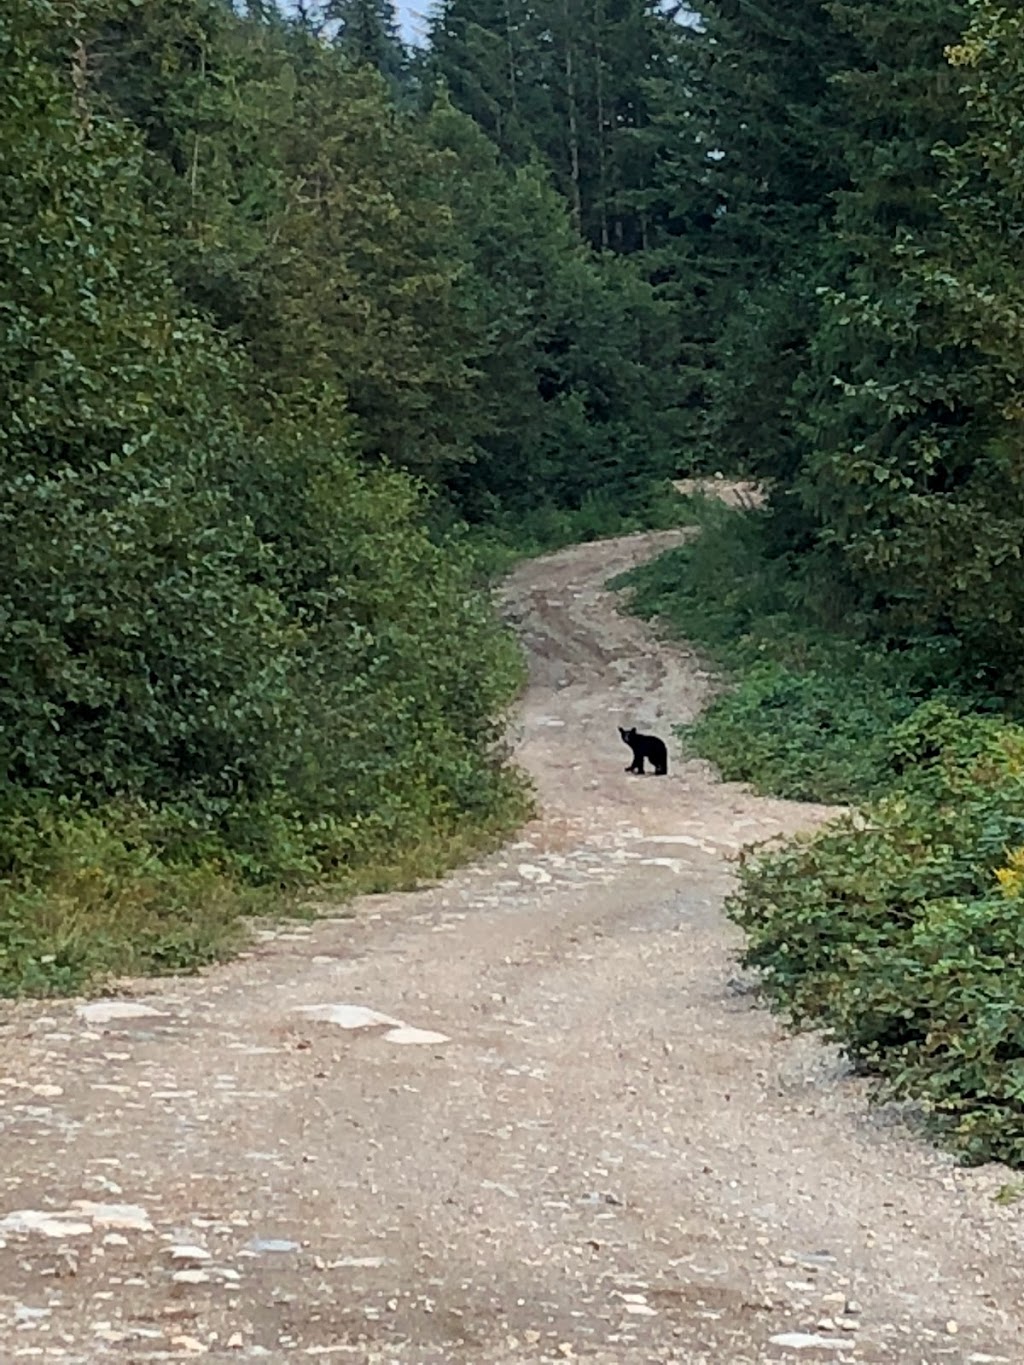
928 506
892 424
754 179
569 81
366 33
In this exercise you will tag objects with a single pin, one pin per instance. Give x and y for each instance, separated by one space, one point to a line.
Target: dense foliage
900 931
232 654
286 305
853 200
278 317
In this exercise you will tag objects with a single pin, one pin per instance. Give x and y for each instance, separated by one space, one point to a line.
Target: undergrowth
88 895
898 928
508 537
900 931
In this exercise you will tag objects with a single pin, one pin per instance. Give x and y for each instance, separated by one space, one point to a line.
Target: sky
412 18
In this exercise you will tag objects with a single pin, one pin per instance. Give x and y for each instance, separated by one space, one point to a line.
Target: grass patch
90 895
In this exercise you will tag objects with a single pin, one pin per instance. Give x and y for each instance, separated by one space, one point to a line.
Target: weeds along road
527 1115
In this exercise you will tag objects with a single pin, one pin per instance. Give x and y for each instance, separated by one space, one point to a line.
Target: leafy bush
233 656
808 736
900 930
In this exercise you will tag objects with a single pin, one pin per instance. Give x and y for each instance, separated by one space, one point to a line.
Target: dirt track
606 1152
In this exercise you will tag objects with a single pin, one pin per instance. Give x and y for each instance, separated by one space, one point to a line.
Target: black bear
646 746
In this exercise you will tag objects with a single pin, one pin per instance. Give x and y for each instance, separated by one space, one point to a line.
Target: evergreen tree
309 218
949 525
573 351
754 179
366 34
488 55
892 423
569 81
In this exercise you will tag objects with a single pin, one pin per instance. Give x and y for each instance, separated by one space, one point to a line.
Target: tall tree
569 81
488 53
753 179
309 217
928 507
892 420
574 385
366 33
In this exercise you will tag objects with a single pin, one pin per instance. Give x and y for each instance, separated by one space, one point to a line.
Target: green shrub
808 736
87 894
233 656
900 930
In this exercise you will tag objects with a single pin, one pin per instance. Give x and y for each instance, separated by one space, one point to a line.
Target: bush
233 657
807 736
900 931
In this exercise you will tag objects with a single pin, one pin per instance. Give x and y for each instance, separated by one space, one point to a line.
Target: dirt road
572 1137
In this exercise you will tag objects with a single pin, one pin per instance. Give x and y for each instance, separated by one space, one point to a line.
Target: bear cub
646 746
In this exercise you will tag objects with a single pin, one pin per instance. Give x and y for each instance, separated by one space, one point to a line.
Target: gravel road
530 1114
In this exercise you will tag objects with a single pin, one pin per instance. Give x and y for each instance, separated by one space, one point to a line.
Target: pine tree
754 178
891 427
569 81
574 385
488 54
926 491
366 34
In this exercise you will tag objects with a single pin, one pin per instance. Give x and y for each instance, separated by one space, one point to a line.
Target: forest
307 332
291 352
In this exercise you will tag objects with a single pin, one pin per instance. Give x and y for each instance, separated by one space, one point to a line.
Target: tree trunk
575 197
602 158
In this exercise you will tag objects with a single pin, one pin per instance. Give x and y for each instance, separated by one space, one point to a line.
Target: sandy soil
574 1135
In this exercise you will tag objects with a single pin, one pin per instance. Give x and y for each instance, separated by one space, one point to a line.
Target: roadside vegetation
298 350
859 356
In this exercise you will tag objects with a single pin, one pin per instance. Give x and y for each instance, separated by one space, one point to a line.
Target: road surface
527 1115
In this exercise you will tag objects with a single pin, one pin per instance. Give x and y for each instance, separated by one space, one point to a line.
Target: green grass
87 896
